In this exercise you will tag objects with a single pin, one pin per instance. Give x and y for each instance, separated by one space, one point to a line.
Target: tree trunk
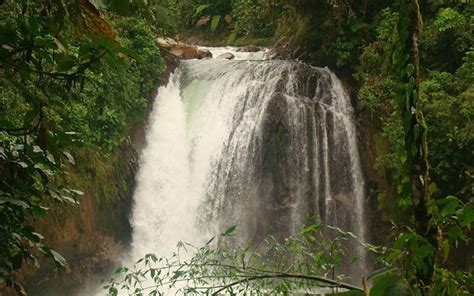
416 147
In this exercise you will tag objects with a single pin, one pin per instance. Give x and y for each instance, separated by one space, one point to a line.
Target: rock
203 21
181 50
165 42
226 56
249 48
177 52
184 51
204 53
228 19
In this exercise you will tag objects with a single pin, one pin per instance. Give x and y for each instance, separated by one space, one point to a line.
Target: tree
417 185
55 60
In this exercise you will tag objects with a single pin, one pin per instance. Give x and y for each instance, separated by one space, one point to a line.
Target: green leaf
381 272
17 261
410 69
232 38
201 8
15 202
229 230
450 206
75 191
69 157
309 228
65 63
215 22
388 284
30 117
467 216
57 258
31 235
23 164
119 270
69 199
40 211
120 6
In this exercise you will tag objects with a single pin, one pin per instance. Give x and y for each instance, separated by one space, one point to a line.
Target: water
253 142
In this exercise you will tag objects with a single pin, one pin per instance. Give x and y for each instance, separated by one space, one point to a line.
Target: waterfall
253 142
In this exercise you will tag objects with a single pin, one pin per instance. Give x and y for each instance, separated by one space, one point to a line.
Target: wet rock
185 51
180 50
249 48
165 42
226 56
204 53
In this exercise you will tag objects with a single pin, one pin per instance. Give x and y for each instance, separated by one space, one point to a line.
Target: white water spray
260 144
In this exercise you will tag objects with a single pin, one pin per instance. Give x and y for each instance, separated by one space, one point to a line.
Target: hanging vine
416 185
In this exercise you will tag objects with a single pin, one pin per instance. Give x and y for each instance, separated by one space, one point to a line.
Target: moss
259 41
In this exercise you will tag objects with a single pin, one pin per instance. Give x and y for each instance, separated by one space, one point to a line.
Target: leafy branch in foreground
301 263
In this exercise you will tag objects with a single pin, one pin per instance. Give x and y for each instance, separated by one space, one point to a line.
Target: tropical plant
302 262
64 84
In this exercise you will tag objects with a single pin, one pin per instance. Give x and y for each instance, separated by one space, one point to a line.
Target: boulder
249 48
177 52
204 53
181 50
226 56
203 21
165 42
228 19
184 51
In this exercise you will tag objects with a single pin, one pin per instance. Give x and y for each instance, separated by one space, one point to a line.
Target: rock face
92 235
226 56
204 53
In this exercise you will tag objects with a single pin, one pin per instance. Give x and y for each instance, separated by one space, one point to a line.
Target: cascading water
257 143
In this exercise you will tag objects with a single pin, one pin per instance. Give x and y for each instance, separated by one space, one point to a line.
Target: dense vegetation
73 82
76 77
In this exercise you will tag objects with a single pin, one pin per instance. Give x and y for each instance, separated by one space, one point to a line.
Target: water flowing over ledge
253 142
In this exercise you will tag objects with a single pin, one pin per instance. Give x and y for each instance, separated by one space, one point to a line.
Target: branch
292 276
23 131
60 75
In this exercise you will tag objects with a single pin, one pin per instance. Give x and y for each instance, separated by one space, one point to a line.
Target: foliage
190 11
252 17
450 111
26 171
301 262
410 250
440 95
68 80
